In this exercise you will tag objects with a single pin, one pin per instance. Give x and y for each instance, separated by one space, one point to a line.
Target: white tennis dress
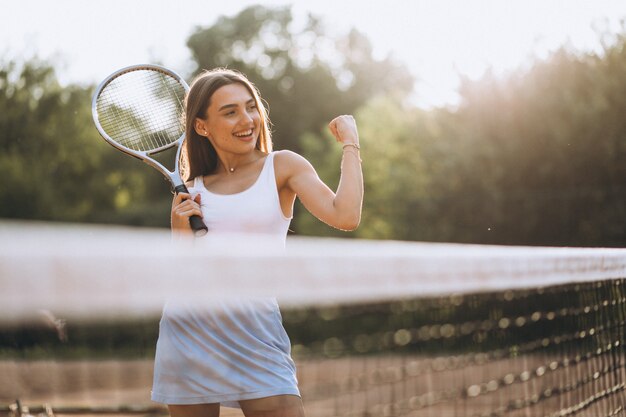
235 351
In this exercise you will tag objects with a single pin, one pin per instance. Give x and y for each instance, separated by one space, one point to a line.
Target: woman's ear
200 127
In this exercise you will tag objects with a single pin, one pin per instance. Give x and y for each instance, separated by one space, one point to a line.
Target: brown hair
198 156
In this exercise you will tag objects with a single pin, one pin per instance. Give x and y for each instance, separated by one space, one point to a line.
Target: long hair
198 156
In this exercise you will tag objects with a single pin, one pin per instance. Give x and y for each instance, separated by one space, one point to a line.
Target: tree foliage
53 163
306 76
534 157
530 158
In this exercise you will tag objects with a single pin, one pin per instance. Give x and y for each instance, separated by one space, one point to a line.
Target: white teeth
246 133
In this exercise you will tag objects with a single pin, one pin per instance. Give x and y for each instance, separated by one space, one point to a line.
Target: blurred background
480 121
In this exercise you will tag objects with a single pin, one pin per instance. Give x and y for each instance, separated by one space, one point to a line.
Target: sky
438 40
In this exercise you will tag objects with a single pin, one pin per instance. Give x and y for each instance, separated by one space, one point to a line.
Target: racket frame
174 177
145 156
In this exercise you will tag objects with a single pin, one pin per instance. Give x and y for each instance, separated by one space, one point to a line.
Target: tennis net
377 328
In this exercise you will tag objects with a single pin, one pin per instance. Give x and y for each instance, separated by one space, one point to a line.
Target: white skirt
233 351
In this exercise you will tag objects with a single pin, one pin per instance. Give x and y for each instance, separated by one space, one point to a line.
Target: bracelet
356 153
355 145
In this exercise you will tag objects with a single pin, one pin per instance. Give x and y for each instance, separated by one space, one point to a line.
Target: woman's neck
230 163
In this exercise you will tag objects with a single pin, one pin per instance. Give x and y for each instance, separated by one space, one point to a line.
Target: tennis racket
139 110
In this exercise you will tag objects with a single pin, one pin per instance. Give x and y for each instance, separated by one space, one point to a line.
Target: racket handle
196 223
198 226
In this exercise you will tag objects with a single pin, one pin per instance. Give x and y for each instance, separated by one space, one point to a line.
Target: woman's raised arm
340 209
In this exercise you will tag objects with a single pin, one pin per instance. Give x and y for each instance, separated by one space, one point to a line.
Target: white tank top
255 210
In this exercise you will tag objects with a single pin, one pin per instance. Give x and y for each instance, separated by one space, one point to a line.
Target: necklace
232 169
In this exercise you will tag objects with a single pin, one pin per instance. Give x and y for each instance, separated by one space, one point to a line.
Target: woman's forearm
349 196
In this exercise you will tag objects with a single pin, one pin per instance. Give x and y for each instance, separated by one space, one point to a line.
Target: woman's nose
247 118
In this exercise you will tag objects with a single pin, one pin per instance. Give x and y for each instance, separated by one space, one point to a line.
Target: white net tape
102 271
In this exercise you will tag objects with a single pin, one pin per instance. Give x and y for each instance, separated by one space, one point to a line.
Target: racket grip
196 223
198 226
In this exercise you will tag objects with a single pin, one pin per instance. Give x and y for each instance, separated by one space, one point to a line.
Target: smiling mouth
244 135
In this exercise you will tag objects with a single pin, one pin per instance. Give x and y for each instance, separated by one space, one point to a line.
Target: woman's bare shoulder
289 166
289 161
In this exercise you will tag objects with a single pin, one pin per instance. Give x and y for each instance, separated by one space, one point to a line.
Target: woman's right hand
183 207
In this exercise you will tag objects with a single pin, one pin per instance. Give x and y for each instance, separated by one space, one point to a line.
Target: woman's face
233 121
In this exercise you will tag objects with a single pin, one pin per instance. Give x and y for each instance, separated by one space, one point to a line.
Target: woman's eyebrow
227 106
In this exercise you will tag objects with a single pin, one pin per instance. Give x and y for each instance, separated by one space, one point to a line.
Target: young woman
239 355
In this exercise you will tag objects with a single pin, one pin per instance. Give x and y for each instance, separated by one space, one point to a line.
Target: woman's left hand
344 129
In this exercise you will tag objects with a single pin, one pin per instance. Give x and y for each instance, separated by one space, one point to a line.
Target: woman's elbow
351 223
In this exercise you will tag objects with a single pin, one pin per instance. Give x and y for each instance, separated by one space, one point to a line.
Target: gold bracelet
356 153
355 145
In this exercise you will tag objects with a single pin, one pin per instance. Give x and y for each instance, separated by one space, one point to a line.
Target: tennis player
239 355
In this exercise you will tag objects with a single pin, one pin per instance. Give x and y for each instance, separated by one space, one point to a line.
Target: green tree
55 166
529 158
395 176
540 151
306 76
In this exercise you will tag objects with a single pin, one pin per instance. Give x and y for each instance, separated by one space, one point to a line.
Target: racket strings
142 110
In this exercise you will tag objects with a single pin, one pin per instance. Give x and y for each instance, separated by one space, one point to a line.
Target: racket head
139 109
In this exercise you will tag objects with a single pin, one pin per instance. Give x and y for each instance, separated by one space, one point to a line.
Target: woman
239 355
